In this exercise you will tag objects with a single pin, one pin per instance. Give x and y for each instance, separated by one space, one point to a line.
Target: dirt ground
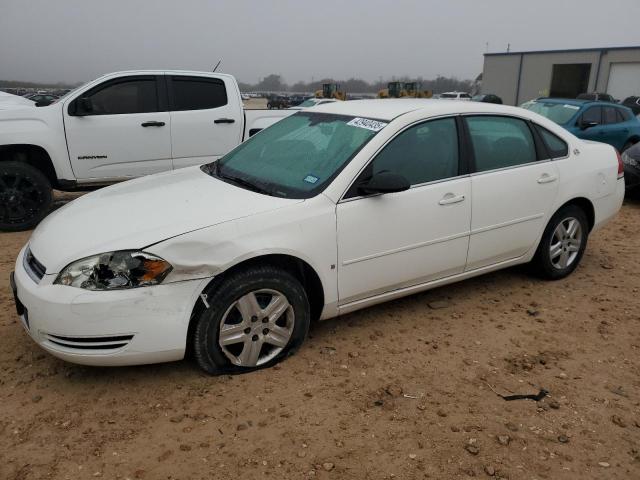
401 390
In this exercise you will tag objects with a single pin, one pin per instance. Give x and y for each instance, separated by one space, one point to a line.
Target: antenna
508 47
217 65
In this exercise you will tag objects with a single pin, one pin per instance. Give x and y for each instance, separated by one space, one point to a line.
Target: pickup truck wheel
563 244
25 196
255 318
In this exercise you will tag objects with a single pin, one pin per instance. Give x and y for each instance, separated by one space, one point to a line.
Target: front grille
112 342
33 267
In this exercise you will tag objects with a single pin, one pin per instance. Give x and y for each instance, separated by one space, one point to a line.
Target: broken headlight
115 270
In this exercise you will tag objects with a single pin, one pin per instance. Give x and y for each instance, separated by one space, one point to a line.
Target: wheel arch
585 205
298 267
33 155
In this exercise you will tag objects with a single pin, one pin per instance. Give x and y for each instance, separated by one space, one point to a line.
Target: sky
78 40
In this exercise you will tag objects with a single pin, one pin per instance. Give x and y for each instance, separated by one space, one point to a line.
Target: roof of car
575 101
390 108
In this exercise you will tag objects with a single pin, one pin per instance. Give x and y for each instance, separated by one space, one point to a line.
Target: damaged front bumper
107 328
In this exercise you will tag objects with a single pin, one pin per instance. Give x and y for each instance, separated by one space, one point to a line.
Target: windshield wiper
243 182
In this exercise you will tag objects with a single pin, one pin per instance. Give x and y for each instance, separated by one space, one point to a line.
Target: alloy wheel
256 328
565 243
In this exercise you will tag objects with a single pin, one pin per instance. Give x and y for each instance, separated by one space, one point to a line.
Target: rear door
206 118
513 189
125 135
616 131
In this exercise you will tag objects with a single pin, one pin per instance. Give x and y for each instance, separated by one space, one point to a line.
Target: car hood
141 212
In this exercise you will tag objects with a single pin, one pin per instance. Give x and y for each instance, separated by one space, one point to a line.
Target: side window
593 114
625 114
129 96
610 115
423 153
197 93
555 145
500 142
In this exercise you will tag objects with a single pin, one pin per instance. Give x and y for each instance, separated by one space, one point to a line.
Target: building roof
570 50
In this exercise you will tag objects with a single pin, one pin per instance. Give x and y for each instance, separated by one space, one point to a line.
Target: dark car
278 101
633 103
42 99
631 162
596 97
487 98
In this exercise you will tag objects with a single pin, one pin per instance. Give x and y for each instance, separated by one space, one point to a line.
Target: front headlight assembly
115 270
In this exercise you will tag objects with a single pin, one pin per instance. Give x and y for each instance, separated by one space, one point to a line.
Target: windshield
308 103
298 156
560 113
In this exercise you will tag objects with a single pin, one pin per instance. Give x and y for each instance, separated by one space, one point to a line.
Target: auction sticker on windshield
367 123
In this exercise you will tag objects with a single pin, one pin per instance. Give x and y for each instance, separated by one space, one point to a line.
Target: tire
565 258
246 333
269 106
25 196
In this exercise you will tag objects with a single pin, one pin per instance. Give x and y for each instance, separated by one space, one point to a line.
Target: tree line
275 83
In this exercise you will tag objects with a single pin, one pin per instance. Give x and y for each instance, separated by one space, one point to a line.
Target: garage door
624 80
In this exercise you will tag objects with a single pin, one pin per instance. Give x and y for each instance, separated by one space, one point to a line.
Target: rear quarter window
556 147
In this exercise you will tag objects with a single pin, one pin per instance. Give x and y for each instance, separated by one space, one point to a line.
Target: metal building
521 76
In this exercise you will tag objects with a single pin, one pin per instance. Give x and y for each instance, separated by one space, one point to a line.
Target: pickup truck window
197 93
132 96
298 156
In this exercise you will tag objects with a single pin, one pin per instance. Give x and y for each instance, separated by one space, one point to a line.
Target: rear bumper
126 327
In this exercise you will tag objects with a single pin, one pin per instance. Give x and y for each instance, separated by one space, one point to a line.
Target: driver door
126 133
395 240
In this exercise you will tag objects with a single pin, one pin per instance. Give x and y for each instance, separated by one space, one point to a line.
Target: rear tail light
620 166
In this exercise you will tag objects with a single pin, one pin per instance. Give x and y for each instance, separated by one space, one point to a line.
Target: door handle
546 178
450 198
152 124
224 120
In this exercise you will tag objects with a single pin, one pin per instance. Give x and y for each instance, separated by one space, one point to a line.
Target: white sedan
328 211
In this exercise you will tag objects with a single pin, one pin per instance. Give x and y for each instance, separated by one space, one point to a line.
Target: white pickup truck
120 126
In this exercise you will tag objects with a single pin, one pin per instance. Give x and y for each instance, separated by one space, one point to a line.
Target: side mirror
84 106
384 182
584 125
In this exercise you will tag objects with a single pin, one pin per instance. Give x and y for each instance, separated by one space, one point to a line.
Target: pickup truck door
125 132
206 118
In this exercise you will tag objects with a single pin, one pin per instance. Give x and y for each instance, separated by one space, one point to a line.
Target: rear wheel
255 318
25 196
563 243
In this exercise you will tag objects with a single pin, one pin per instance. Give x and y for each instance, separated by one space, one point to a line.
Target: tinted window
592 114
555 145
423 153
625 114
500 142
133 96
192 93
465 95
560 113
610 115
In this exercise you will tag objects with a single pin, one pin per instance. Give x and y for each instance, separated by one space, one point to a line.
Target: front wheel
563 243
25 196
255 318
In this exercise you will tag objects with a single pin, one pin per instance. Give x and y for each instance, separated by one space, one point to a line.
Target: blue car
600 121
